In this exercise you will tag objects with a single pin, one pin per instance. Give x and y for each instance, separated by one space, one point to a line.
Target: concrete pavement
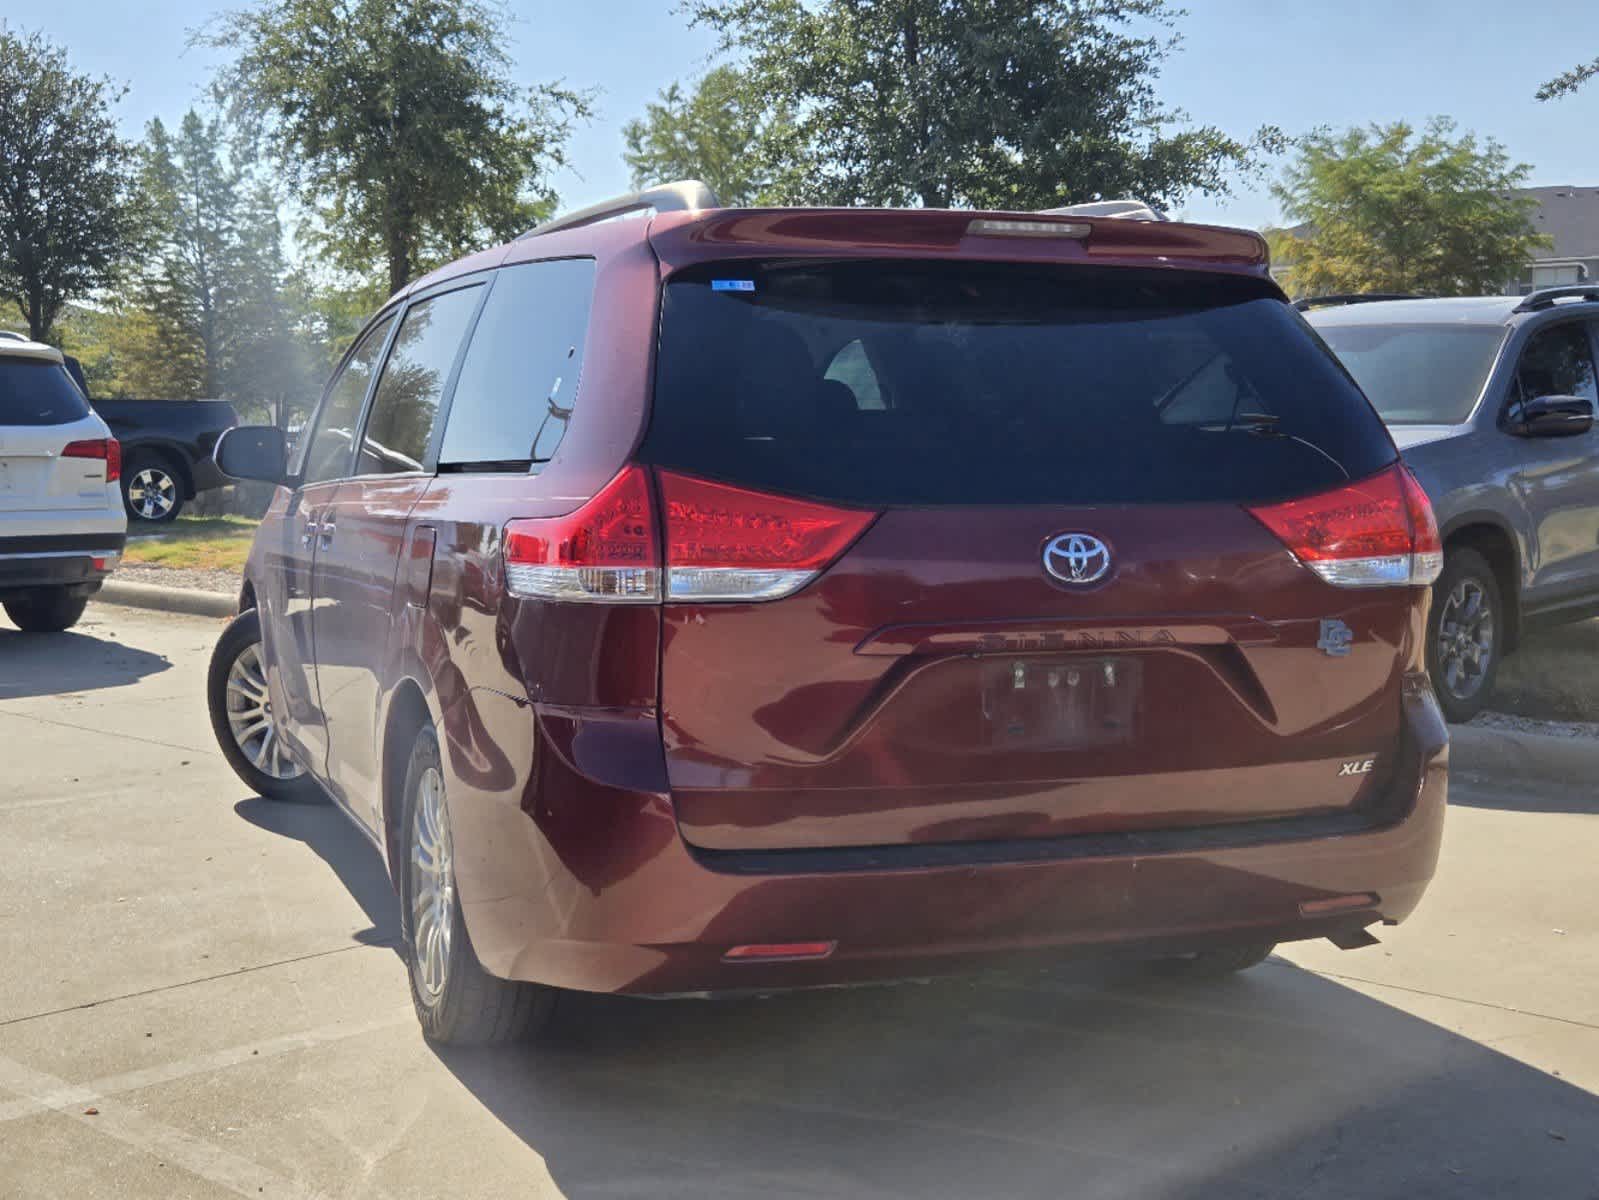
214 976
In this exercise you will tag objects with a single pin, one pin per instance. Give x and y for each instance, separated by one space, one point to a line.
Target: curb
1511 755
164 599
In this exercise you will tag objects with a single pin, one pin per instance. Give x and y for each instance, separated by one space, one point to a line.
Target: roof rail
1546 297
1127 210
1305 304
679 196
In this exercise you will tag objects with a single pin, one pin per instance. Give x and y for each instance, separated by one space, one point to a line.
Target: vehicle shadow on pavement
352 858
49 664
1107 1081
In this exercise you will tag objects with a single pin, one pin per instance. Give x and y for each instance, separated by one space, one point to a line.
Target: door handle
325 538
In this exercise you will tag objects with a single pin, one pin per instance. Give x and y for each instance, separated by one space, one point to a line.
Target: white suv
62 524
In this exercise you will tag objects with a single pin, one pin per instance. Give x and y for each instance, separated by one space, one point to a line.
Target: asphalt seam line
130 737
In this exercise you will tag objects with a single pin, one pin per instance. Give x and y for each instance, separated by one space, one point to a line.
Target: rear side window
405 405
518 385
970 383
38 392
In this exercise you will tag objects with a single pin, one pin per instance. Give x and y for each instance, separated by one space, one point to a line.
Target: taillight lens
108 449
605 551
1375 532
730 543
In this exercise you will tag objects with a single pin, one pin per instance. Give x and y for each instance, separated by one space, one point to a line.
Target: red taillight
722 543
730 543
606 550
108 449
1375 532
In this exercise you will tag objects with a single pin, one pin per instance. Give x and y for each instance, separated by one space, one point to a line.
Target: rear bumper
584 882
71 560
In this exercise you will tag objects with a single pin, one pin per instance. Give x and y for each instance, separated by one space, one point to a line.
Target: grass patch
202 543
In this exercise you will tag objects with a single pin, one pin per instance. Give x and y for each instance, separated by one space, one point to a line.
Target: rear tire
235 692
1228 960
46 610
1465 635
152 490
457 1002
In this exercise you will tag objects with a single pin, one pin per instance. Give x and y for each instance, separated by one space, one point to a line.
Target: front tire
152 491
457 1002
1226 960
241 716
1465 635
46 610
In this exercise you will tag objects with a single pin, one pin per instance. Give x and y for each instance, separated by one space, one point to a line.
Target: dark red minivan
688 599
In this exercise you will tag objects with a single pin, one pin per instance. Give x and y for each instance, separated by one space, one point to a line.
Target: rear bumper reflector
767 951
1333 904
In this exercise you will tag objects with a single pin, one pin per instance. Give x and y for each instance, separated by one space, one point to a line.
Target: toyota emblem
1077 558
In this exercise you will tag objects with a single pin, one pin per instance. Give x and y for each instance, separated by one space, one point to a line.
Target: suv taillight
723 543
1375 532
108 449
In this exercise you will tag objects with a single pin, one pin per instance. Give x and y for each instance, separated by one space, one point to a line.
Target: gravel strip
191 579
1514 724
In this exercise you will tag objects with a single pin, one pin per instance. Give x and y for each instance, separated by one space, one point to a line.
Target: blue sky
1243 63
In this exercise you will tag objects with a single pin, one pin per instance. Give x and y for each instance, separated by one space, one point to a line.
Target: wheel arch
1492 538
408 712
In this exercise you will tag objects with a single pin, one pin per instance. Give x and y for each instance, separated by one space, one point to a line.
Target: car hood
1408 436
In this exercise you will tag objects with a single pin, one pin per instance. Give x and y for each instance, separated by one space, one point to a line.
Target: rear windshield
1417 374
966 383
38 392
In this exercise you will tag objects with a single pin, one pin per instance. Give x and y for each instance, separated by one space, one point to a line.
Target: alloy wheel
250 717
1465 638
432 885
152 493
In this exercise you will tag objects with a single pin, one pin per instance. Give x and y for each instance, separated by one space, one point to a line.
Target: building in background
1569 215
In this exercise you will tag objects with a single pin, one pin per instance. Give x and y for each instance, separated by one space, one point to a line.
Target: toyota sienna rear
775 598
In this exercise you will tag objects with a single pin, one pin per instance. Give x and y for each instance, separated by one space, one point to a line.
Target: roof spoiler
1546 297
1126 210
683 195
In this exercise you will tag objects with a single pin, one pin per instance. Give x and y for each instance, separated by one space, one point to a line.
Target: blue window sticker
732 285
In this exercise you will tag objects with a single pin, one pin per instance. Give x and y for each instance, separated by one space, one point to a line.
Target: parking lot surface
203 998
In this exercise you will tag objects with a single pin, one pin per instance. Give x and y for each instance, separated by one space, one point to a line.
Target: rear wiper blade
1248 422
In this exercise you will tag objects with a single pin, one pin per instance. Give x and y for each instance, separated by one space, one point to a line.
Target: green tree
66 223
397 123
712 133
1567 82
1015 104
1387 209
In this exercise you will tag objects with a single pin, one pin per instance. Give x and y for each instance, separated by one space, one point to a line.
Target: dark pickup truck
167 448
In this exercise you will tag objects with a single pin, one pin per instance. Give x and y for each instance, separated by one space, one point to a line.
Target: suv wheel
457 1001
46 610
150 489
1229 960
1465 631
241 716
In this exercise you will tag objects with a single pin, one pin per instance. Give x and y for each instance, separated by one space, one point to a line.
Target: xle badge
1361 766
1336 638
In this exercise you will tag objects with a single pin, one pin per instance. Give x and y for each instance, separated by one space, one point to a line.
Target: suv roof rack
1127 210
1309 302
1546 297
679 196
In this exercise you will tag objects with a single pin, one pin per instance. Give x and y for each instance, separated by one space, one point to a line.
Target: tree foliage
1387 209
66 223
1569 81
397 123
1014 104
712 133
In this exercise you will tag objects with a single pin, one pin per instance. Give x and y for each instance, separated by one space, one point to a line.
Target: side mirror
1551 416
253 452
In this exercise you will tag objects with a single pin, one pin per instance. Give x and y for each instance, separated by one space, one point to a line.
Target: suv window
38 392
1557 362
519 381
327 453
405 406
1001 384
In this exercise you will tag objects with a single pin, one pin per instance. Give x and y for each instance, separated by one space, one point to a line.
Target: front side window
519 381
328 453
1557 362
406 404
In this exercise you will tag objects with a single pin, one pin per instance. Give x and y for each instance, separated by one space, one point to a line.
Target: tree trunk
930 194
38 323
398 247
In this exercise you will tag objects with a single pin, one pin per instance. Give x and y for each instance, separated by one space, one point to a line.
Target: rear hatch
52 448
1039 520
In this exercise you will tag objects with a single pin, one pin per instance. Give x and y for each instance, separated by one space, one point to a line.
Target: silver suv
62 524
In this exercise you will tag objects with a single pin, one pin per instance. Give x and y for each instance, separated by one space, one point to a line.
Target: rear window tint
38 392
969 383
